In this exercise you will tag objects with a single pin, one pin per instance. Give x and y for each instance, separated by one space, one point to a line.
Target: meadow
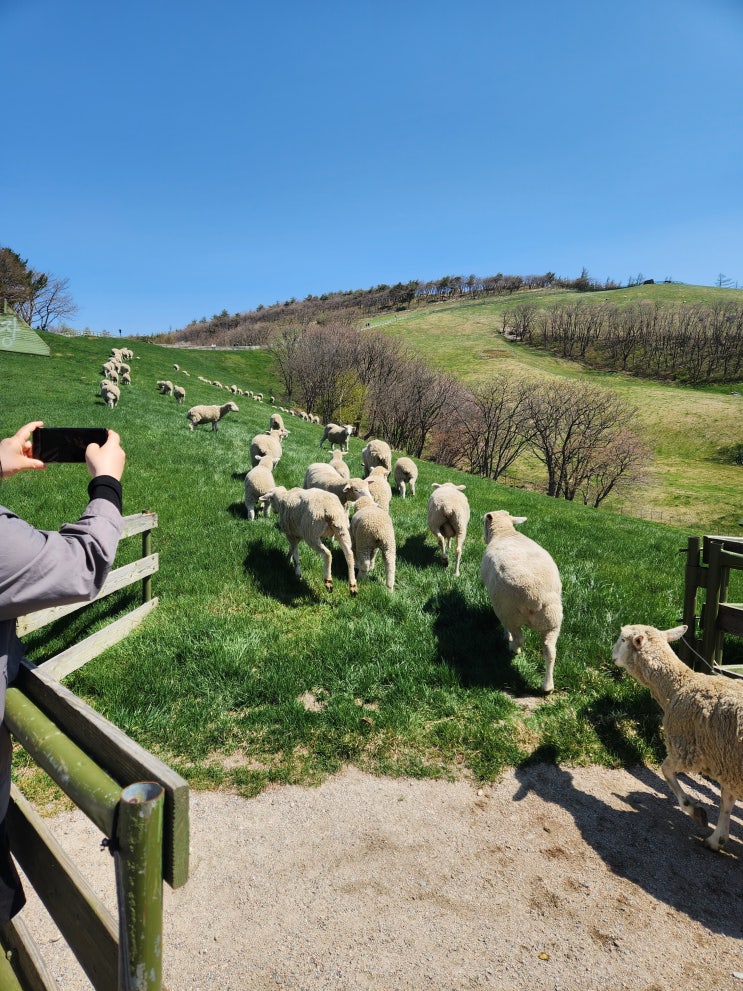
245 675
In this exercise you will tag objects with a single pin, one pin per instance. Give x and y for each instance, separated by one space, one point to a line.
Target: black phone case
65 444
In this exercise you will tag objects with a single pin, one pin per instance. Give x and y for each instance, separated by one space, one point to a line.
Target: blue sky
174 159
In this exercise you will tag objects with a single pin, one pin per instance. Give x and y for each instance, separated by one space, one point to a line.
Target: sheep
258 481
209 414
268 443
276 422
126 379
372 531
376 452
113 376
110 393
379 486
310 515
177 368
337 462
337 435
179 393
323 476
166 387
405 473
524 587
702 720
448 516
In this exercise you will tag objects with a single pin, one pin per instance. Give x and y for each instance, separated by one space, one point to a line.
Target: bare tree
51 304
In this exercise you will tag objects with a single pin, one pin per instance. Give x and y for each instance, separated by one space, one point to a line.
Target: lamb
179 393
405 473
166 387
372 531
448 516
268 443
126 379
337 435
276 422
209 414
524 586
702 720
376 452
379 486
323 476
258 482
337 462
310 515
110 393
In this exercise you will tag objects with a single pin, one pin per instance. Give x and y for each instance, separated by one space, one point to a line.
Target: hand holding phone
65 444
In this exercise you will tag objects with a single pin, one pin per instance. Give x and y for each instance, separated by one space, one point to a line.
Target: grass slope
245 675
690 431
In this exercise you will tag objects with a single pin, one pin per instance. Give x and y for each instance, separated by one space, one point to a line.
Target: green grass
691 432
418 682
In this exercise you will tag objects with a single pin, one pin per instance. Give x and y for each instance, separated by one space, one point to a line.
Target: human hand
106 459
15 451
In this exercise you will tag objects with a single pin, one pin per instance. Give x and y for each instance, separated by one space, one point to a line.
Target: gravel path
549 879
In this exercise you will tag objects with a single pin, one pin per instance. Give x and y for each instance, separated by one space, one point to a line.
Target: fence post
146 551
691 583
139 886
710 635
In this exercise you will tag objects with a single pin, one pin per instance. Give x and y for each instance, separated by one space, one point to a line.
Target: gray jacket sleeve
40 568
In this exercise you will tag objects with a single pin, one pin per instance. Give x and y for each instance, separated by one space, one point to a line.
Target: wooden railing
709 570
139 804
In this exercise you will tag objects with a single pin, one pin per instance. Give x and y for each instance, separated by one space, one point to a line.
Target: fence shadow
649 841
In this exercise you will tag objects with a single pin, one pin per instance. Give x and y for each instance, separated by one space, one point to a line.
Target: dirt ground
549 879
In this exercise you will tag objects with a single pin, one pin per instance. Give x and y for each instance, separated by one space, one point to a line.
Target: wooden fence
709 569
139 804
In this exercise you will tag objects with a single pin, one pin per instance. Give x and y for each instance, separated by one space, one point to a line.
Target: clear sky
174 159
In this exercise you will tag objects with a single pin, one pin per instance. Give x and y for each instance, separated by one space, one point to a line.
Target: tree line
39 298
693 343
582 434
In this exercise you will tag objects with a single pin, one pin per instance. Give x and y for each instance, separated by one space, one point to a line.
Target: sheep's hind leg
324 552
444 545
549 651
345 541
718 839
294 556
691 808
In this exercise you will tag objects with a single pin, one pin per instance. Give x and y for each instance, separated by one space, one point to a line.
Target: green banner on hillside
16 335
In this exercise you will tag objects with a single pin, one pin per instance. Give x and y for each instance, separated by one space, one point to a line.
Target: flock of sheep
702 714
116 371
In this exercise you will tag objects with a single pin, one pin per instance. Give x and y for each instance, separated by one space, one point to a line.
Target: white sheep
165 386
337 462
524 586
179 393
259 481
268 443
379 487
276 422
448 516
176 367
405 473
337 435
209 414
376 452
126 379
323 476
110 393
311 515
372 531
702 719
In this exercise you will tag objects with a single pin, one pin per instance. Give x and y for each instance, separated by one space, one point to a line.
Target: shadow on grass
649 840
471 641
273 572
417 552
602 714
238 476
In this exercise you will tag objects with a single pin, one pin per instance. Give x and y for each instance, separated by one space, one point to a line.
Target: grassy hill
245 675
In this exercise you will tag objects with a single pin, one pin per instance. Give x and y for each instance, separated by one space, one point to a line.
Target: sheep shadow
273 572
649 841
470 641
238 510
417 552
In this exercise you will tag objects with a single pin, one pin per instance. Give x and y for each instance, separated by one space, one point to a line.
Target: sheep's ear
638 640
516 520
675 634
461 487
435 485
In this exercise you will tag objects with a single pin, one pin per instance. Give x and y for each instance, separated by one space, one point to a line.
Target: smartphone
65 444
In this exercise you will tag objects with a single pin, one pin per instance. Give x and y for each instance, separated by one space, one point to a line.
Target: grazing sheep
113 376
372 531
702 720
268 443
337 435
209 414
258 482
177 367
179 393
376 452
311 515
276 422
337 462
166 387
405 473
524 587
126 379
323 476
448 516
110 393
379 487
